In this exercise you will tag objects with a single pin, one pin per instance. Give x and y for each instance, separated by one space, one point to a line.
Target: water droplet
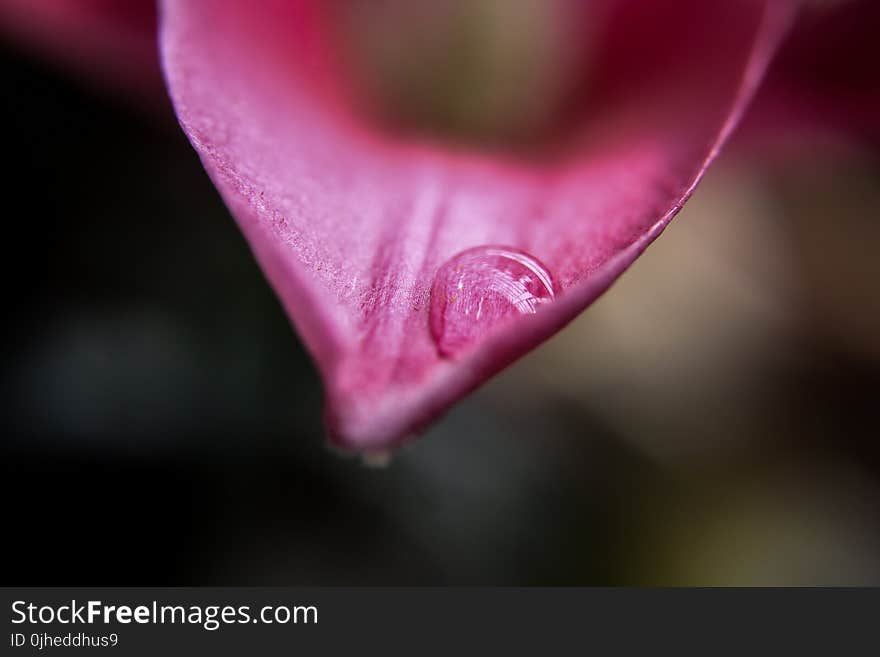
481 287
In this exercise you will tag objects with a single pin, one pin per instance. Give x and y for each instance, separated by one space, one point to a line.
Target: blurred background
713 419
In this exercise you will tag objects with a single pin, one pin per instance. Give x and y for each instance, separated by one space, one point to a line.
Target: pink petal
351 226
111 42
823 84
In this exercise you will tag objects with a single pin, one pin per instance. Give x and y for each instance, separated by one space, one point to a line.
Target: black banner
229 621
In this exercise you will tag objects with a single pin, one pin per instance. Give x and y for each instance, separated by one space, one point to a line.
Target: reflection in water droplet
478 288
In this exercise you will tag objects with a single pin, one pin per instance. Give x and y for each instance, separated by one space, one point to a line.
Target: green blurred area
495 73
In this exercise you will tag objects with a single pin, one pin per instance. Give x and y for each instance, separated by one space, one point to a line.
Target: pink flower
413 265
111 42
825 74
360 231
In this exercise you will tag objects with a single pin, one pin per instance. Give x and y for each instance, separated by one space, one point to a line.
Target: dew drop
481 287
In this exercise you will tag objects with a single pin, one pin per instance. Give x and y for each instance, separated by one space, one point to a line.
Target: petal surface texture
352 225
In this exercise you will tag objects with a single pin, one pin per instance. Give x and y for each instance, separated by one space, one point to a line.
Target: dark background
161 421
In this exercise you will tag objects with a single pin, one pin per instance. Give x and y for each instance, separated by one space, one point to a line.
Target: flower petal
111 42
351 226
823 84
